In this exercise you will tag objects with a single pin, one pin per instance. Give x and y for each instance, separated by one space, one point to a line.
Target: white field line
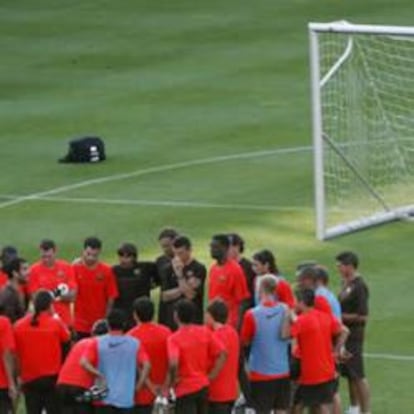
163 203
390 357
159 203
152 170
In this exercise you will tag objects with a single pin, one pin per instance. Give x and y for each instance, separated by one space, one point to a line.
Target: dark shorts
269 395
5 401
354 367
220 407
314 395
143 409
68 400
40 394
195 403
108 409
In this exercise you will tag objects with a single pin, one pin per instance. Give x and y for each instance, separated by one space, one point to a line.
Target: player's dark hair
182 241
236 240
12 266
116 320
307 296
307 263
267 257
100 327
128 249
168 233
222 239
322 275
308 273
348 258
42 302
144 309
185 311
93 243
8 253
218 310
47 244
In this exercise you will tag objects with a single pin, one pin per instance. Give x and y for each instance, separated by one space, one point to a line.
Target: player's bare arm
88 366
172 373
340 340
144 371
218 365
354 318
109 305
285 328
10 367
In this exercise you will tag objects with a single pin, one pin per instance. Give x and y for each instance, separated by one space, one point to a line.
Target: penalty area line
161 203
155 169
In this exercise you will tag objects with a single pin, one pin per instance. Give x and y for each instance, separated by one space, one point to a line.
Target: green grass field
179 90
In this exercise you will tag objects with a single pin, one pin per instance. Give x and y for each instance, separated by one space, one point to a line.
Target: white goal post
362 81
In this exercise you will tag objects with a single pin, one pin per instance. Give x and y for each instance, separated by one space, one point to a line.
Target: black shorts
192 403
5 401
109 409
354 367
68 400
314 395
271 395
220 407
143 409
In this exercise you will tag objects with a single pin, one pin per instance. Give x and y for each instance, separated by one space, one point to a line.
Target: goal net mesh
367 104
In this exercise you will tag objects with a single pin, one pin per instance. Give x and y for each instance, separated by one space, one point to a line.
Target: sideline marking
152 170
390 357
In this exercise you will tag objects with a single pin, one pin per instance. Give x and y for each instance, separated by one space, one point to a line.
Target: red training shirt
96 286
4 278
313 331
153 338
322 304
49 278
225 387
284 292
39 347
7 343
71 372
193 347
228 283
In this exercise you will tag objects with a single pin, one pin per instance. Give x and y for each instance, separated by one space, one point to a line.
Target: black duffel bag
85 149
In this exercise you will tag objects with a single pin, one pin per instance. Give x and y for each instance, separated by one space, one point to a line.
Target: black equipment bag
85 149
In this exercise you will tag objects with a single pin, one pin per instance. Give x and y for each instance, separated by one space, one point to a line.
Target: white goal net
363 125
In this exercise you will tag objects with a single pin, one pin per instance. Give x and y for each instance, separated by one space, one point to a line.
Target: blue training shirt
269 352
332 299
117 361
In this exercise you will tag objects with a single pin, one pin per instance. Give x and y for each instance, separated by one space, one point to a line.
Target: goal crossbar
322 141
346 27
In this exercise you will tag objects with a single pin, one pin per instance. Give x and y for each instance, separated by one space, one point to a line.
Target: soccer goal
362 79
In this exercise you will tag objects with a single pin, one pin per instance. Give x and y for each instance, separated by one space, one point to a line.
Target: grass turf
168 82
